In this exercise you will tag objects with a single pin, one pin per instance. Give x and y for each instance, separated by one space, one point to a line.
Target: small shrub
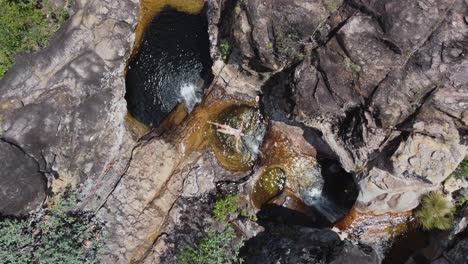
461 172
53 235
225 207
26 26
461 201
216 248
435 212
226 49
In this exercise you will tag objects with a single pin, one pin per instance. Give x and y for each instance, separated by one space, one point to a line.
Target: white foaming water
253 143
191 95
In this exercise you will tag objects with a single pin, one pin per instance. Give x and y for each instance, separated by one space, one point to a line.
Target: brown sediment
382 226
136 127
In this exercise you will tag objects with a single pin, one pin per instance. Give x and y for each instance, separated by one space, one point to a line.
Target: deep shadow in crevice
340 187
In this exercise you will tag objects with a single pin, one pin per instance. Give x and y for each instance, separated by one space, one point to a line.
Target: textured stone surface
458 254
64 106
383 83
388 95
22 185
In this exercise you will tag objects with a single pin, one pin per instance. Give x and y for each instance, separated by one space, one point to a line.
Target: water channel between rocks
167 77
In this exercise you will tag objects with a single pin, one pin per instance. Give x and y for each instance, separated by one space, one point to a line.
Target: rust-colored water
375 227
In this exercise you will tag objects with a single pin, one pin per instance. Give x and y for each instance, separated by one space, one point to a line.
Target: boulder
22 185
295 244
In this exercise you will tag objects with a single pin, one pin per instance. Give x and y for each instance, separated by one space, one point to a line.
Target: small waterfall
315 198
191 95
327 208
254 141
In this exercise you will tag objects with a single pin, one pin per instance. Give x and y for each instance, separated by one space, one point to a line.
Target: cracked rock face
64 106
386 89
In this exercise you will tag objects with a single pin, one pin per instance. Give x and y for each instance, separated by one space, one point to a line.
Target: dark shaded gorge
172 66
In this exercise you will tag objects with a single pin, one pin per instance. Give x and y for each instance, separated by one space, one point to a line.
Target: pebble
455 52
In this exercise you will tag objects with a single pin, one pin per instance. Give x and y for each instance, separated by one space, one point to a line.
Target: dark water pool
172 66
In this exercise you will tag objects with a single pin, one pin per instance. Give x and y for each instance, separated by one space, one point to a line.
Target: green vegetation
289 44
218 247
333 5
435 212
226 49
461 172
225 208
26 26
461 201
53 235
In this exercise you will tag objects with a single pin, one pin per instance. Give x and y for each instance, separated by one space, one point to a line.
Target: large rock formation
384 81
64 106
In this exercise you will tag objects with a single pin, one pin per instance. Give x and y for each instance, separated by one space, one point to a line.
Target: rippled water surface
172 66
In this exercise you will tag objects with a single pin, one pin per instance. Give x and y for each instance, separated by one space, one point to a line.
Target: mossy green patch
461 172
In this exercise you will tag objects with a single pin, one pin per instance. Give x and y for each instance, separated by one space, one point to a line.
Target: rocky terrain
375 92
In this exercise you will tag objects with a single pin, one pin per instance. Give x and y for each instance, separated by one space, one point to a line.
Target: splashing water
325 207
191 95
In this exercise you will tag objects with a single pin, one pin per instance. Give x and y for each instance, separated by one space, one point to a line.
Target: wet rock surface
458 254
